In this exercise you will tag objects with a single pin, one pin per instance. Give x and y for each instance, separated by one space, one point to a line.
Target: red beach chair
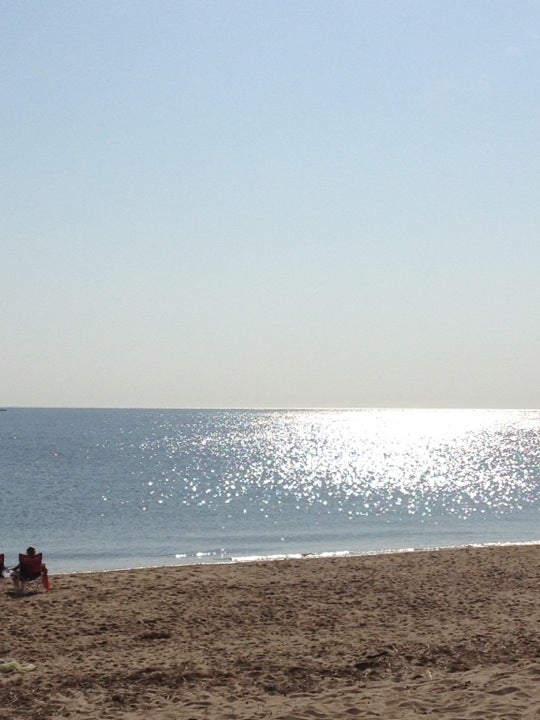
32 569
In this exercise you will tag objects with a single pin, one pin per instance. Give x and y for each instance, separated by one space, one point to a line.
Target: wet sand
444 634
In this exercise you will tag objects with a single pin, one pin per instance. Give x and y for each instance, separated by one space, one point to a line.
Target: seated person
29 568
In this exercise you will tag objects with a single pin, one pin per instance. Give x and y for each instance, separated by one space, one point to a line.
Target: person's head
31 551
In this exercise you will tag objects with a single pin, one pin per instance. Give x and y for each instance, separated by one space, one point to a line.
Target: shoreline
447 634
329 555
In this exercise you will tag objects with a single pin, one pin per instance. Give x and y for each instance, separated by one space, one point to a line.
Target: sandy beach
444 634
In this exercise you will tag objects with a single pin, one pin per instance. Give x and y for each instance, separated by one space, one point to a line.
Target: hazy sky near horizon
272 204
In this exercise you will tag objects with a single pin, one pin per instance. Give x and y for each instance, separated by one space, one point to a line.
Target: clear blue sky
273 204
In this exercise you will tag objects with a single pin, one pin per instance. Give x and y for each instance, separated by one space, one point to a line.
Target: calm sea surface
103 489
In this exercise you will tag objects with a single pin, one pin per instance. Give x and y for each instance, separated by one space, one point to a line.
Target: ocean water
104 489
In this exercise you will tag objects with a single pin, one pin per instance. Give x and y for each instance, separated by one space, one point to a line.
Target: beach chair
32 572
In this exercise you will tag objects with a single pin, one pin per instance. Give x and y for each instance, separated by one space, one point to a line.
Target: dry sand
445 634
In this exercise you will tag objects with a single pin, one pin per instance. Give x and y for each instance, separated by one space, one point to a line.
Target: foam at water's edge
235 560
